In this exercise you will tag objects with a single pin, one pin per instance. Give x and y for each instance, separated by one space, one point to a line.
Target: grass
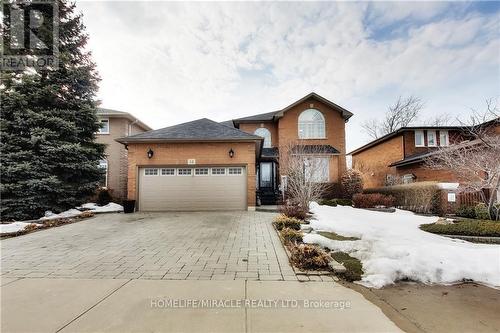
354 268
337 237
467 227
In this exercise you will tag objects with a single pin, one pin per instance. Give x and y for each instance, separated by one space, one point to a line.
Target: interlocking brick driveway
203 246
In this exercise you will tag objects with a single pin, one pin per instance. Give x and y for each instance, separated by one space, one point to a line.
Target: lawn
467 227
392 247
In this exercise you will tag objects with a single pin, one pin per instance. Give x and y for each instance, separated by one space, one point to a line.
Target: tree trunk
491 203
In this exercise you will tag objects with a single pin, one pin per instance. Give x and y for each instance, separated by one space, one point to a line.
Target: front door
266 175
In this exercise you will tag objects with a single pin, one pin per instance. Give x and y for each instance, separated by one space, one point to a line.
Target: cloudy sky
167 63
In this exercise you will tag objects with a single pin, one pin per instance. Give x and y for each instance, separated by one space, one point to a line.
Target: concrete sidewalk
113 305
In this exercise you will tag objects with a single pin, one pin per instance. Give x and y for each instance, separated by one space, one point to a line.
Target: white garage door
191 189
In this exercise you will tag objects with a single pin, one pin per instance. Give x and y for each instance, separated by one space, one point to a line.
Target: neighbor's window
311 125
444 139
266 134
316 169
104 129
419 139
218 171
168 172
150 172
184 172
408 178
431 138
201 172
103 168
235 171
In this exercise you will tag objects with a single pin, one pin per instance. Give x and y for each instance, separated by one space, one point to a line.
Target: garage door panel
207 192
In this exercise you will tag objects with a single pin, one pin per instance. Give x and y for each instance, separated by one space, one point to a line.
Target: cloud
173 62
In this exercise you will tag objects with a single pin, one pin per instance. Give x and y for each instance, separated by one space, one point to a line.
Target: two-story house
399 157
116 124
206 165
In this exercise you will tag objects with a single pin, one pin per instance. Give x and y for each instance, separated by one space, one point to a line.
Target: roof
270 152
121 114
227 123
315 149
198 130
398 132
272 116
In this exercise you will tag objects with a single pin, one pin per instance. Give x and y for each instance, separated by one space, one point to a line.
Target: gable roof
197 130
399 132
274 115
101 112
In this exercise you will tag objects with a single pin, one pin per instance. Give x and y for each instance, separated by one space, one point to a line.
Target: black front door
266 179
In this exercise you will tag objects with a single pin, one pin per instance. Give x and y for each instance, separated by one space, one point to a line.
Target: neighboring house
400 156
205 165
116 124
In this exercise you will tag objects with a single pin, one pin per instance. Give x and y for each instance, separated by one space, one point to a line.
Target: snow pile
66 214
109 208
14 227
392 247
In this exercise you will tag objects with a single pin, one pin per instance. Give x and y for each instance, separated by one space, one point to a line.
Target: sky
172 62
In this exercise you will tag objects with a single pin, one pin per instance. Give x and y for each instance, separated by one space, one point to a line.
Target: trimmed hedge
335 202
465 228
372 200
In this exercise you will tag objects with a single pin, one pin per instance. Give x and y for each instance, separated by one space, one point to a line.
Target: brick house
399 157
116 124
205 165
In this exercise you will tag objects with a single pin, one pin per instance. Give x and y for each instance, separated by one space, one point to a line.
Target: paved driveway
176 246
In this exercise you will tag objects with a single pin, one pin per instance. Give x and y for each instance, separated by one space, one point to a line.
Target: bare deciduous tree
303 166
439 120
401 114
475 162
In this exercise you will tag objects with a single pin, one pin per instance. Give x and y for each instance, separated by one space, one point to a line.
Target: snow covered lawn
14 227
392 247
109 208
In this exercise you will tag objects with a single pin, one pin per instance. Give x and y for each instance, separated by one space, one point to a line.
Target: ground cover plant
335 236
291 235
353 266
465 228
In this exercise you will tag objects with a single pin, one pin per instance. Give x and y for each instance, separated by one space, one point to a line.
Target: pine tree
49 159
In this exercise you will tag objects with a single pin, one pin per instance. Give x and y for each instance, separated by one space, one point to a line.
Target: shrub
328 202
293 211
354 268
465 228
30 227
307 256
351 182
291 235
466 211
103 197
372 200
421 197
282 221
344 202
482 212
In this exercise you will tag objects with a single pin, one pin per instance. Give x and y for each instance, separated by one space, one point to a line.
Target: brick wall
177 154
272 127
374 163
424 174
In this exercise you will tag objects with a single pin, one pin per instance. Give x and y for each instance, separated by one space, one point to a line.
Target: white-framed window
184 172
201 172
311 125
419 139
103 168
444 139
431 139
104 126
235 171
266 134
218 171
151 172
168 172
316 169
408 178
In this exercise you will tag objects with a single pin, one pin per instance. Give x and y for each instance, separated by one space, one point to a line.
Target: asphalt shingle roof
315 149
198 130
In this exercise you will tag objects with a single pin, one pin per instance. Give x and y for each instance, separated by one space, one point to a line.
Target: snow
14 227
66 214
109 208
392 247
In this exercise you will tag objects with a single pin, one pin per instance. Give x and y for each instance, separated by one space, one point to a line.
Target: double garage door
192 189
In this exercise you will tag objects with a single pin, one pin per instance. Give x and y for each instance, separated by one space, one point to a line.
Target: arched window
264 132
311 125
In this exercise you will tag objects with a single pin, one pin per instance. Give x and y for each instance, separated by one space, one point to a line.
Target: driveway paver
171 246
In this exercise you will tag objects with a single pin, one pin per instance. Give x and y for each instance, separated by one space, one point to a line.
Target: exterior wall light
231 153
150 153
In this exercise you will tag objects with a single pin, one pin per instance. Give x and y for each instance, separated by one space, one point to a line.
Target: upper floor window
444 139
266 134
311 125
104 129
419 139
431 139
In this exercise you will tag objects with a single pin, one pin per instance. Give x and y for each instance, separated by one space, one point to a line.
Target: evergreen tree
49 160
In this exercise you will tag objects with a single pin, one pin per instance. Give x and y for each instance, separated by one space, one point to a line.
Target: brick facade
272 127
205 154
